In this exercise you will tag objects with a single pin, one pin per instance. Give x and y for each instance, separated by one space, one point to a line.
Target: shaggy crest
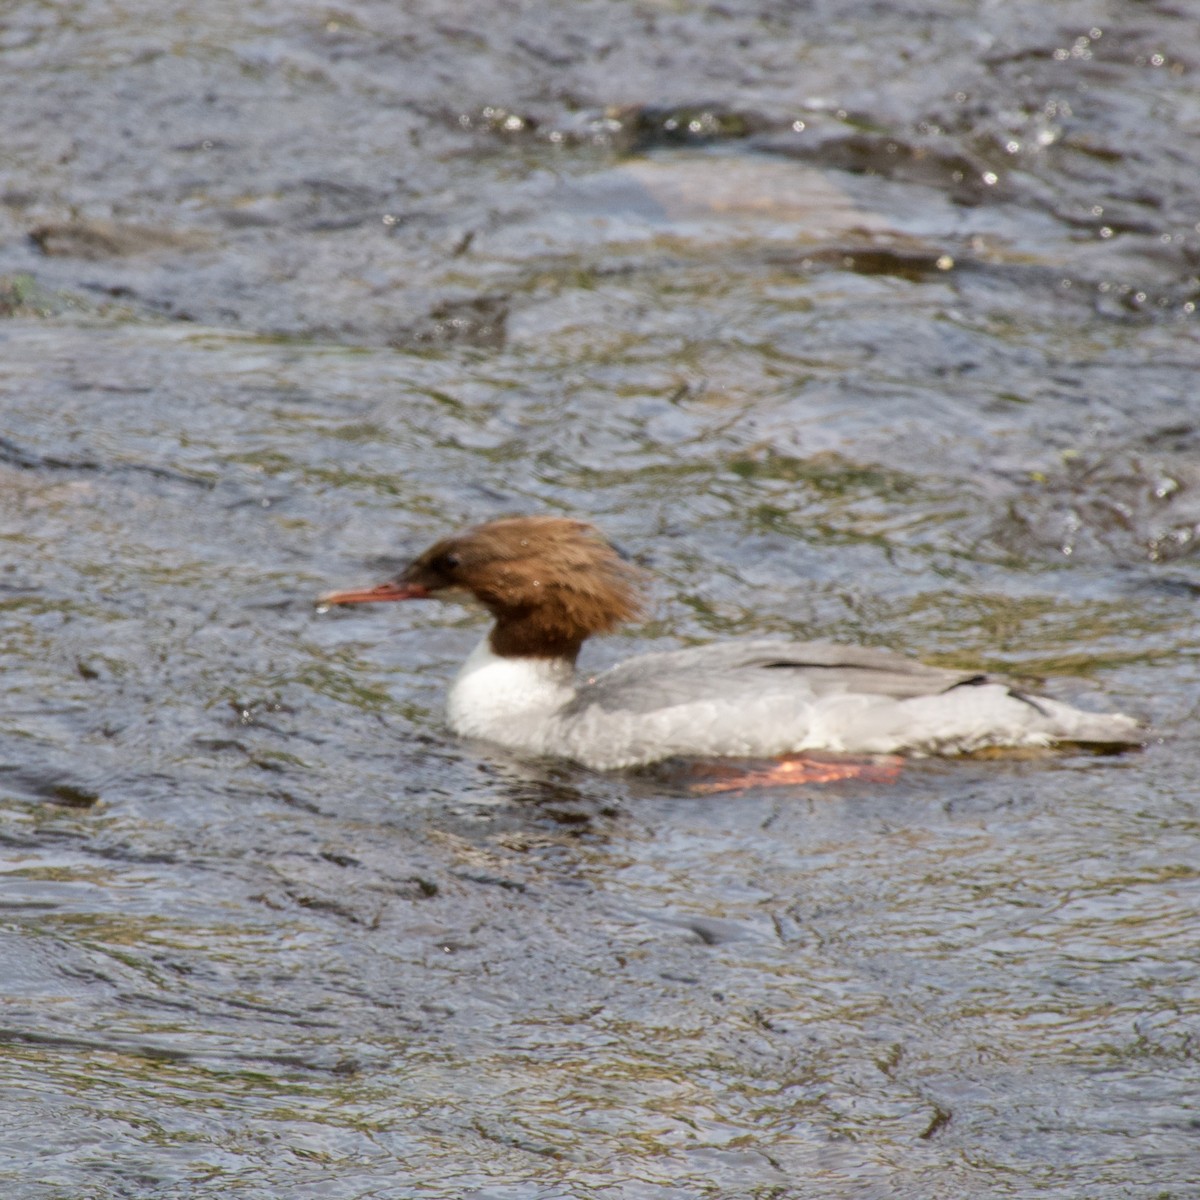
550 582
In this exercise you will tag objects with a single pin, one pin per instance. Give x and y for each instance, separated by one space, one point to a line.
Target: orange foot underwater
802 768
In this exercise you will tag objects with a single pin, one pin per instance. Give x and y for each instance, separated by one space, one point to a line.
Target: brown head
550 582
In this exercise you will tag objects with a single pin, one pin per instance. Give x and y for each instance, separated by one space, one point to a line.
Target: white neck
508 700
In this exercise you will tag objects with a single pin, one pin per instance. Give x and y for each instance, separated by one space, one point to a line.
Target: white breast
509 700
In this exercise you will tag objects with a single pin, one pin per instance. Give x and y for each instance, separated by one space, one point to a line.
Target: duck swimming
551 582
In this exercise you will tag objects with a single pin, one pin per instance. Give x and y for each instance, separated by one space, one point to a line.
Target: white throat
508 700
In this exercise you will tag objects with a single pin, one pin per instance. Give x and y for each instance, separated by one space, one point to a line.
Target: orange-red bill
801 769
392 590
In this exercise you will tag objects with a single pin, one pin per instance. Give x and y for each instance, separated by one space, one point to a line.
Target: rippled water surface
875 324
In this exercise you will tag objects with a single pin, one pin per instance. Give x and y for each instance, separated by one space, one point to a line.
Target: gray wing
745 669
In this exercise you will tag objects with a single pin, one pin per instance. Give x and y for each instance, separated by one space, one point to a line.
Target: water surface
875 326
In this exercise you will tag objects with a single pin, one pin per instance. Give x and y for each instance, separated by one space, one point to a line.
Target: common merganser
551 582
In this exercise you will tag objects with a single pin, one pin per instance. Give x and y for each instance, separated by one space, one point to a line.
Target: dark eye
448 563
